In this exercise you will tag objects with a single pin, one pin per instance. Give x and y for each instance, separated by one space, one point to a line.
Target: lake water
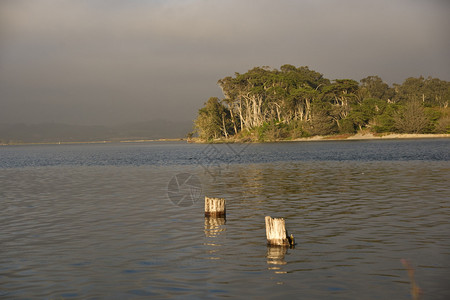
126 221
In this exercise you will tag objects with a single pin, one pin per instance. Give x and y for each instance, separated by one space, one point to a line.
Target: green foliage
375 87
430 91
266 104
297 129
443 125
272 131
433 114
213 120
385 121
347 125
321 124
411 118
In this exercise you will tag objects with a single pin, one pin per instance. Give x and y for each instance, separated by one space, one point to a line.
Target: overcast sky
114 61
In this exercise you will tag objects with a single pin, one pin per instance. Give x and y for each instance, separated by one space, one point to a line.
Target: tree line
267 104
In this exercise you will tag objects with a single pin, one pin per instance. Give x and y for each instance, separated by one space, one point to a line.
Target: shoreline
371 136
342 137
317 138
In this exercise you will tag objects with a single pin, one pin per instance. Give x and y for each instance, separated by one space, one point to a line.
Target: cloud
113 61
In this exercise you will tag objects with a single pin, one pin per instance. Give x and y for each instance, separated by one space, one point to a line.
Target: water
96 221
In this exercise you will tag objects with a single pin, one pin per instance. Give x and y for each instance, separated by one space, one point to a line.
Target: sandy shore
343 137
371 136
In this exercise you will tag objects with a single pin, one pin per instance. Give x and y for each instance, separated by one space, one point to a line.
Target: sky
105 62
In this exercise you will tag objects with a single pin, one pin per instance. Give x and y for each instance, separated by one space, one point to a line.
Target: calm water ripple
96 222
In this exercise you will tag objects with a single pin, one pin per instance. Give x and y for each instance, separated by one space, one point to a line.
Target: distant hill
60 132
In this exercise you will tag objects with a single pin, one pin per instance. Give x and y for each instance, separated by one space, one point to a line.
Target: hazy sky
113 61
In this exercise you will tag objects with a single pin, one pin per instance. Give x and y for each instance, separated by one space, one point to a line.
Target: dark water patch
209 155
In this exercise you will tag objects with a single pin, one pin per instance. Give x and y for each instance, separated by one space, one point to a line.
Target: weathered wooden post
215 207
276 232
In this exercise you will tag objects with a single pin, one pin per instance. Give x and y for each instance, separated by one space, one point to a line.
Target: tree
384 121
429 91
438 91
364 112
321 123
411 119
292 101
341 93
443 125
376 88
213 120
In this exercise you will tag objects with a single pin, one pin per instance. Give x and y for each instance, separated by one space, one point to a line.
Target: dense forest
266 104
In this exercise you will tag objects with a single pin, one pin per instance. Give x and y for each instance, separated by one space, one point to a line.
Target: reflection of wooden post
276 232
214 226
215 207
275 255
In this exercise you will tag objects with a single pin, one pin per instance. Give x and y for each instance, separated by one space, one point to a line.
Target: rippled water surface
99 221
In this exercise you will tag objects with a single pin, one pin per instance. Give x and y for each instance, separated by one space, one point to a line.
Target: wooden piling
215 207
276 232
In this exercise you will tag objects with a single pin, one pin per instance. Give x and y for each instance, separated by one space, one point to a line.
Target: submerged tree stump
276 232
215 207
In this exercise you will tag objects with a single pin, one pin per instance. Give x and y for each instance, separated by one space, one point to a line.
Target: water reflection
214 227
275 260
275 255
